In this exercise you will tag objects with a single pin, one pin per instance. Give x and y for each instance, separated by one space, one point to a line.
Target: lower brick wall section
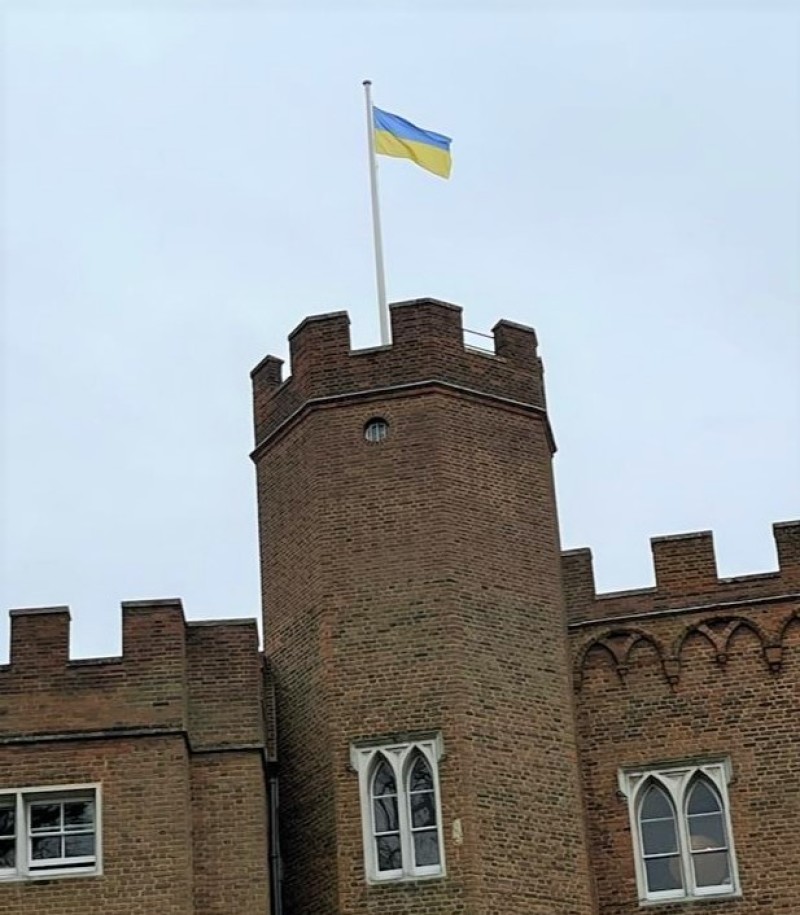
428 897
729 704
146 827
231 855
181 835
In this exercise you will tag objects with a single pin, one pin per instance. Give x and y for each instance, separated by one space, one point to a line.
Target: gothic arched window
681 829
708 836
401 809
422 813
658 825
385 818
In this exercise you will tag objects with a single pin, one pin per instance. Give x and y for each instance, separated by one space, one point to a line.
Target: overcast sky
184 182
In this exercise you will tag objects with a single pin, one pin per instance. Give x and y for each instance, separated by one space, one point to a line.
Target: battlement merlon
686 575
39 638
427 346
201 680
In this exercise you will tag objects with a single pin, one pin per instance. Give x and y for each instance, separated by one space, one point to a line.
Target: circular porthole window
376 430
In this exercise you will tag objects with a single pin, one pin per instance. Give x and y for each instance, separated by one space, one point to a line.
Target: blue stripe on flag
405 130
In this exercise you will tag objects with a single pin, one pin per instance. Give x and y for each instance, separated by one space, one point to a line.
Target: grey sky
183 183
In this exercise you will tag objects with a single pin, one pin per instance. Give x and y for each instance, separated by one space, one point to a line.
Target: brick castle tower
412 598
446 718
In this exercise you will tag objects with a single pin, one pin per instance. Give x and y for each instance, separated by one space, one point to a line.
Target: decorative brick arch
618 645
793 618
719 630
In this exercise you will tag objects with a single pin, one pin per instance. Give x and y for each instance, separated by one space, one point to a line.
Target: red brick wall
414 585
229 828
670 683
147 844
291 578
173 732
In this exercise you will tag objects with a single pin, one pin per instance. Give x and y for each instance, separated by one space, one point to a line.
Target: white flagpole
380 276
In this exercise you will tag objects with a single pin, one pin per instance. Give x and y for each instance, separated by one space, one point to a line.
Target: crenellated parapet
202 680
690 605
685 573
427 347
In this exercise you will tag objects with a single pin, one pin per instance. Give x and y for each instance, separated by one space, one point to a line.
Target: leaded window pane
384 780
386 819
426 848
712 868
78 814
659 837
423 809
45 817
7 819
7 853
663 874
421 778
389 854
79 846
45 847
703 799
656 805
658 823
707 830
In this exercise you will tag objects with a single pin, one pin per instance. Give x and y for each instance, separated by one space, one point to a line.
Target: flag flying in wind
395 136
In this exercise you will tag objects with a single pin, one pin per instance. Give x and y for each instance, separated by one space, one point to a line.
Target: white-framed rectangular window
49 831
401 811
681 829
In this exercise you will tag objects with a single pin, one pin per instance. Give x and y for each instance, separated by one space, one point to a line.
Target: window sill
404 879
690 900
49 876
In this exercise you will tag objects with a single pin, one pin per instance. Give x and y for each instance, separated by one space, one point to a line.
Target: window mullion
726 814
22 835
684 841
404 817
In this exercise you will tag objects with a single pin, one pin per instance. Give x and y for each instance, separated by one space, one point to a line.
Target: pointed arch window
658 832
680 822
708 836
401 809
386 819
422 814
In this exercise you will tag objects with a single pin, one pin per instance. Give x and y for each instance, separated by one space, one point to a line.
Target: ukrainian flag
394 136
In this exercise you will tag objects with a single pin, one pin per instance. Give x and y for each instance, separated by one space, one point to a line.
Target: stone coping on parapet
318 319
234 621
682 610
146 604
39 611
686 576
424 300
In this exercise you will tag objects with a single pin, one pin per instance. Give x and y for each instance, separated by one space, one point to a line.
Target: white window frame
398 755
21 799
676 780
